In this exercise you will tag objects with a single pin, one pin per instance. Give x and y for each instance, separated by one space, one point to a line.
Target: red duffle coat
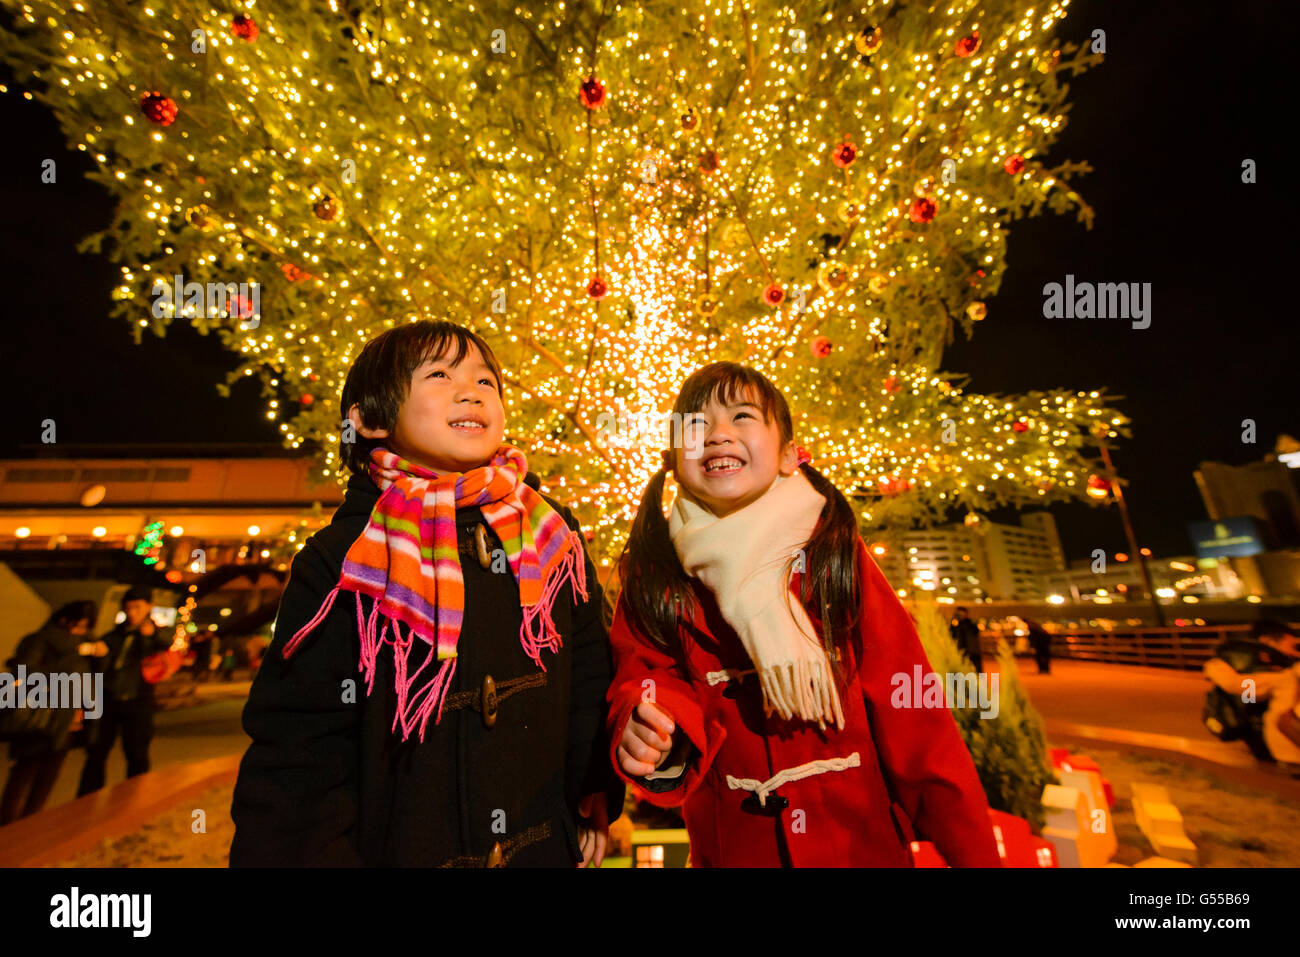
915 780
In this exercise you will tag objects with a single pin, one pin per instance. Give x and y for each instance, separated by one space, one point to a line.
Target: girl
434 694
764 707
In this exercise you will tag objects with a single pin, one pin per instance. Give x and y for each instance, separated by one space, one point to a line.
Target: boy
447 709
129 703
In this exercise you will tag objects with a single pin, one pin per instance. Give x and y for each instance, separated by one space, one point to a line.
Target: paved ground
1153 700
1148 708
209 730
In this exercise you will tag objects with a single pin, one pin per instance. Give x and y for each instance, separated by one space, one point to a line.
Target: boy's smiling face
731 454
452 419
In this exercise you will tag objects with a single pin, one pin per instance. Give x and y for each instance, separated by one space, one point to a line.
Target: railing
1185 649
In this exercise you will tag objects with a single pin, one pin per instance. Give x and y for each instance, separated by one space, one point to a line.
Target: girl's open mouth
722 465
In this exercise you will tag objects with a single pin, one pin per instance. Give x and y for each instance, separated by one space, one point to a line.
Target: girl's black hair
380 380
73 612
656 592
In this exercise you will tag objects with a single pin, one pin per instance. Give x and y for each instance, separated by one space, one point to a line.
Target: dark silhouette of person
128 698
967 635
1041 642
60 647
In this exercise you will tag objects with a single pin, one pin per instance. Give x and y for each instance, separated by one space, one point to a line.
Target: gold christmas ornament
735 235
924 187
200 217
878 283
326 209
977 311
832 275
849 212
868 40
706 305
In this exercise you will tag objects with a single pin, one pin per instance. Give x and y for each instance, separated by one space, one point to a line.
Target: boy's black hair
380 378
656 592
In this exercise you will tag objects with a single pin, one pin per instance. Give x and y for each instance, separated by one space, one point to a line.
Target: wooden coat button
488 701
481 546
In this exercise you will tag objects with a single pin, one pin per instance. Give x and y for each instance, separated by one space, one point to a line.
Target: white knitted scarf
744 558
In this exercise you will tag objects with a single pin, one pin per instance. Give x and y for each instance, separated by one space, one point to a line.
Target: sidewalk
1153 710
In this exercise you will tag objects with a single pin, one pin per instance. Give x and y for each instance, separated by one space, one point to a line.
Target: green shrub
1009 751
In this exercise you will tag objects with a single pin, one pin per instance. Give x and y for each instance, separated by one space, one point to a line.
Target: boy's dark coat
329 783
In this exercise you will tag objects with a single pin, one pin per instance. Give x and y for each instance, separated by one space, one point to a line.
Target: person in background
1277 683
1041 642
128 698
967 635
59 647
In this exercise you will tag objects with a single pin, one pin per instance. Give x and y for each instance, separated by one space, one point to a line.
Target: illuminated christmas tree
614 195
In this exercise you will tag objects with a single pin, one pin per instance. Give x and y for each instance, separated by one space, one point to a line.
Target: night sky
1187 91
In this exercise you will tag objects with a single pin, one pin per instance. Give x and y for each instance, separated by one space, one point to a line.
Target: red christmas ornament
922 210
844 154
821 347
314 377
291 272
773 295
244 27
1020 425
159 109
975 280
893 486
597 289
967 46
891 384
241 307
1014 164
592 93
1098 487
326 209
307 398
709 161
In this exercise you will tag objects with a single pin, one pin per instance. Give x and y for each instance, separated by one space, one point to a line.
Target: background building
1254 513
216 528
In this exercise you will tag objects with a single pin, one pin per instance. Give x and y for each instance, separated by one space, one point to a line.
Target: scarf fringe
293 643
416 705
572 568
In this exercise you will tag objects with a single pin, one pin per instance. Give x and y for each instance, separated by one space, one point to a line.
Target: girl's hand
647 740
595 838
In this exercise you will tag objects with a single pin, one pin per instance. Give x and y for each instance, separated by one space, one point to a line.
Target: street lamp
1141 553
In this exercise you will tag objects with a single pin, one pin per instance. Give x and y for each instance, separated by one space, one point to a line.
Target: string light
367 169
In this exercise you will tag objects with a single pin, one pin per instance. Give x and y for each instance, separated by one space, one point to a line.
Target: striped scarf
408 562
